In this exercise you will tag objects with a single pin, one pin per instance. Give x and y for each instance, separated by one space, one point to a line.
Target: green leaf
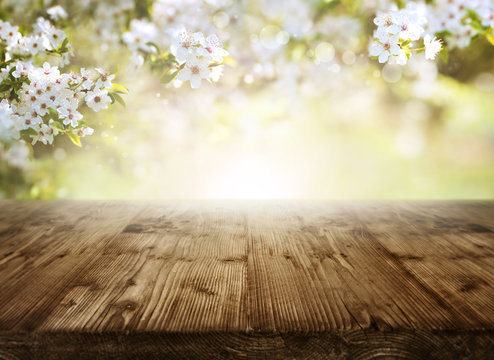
152 44
167 58
142 8
405 43
82 123
57 125
75 139
116 86
400 3
10 73
14 95
169 76
29 131
4 87
63 47
444 54
64 43
490 38
473 15
5 63
230 61
119 99
53 114
444 33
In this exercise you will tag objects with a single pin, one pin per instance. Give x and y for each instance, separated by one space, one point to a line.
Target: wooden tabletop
126 280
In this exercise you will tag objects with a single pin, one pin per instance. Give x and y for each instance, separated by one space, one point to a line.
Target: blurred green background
298 120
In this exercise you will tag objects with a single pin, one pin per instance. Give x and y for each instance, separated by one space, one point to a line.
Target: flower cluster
45 40
165 19
200 58
190 56
47 102
109 19
455 21
460 20
40 101
397 30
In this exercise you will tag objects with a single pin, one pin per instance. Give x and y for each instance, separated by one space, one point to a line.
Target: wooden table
272 280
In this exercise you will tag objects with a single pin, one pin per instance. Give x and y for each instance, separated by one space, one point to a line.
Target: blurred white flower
136 62
141 33
57 12
185 43
383 50
196 69
105 79
55 37
87 82
216 73
44 134
21 69
70 116
34 44
409 27
432 47
212 48
85 131
17 155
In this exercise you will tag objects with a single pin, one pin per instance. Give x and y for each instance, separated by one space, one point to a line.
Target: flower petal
184 74
383 57
195 81
395 49
375 49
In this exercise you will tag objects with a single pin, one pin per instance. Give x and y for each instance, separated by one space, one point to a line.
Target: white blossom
84 131
98 99
104 80
42 101
57 12
136 62
211 47
87 82
34 44
385 47
141 33
432 47
17 154
196 69
185 43
45 134
399 29
70 116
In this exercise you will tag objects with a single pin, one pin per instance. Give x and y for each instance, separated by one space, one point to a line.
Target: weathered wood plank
248 279
372 344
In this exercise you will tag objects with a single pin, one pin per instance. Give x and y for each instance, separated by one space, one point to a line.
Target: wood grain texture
270 280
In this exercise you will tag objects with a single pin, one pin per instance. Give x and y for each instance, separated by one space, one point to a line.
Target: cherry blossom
57 13
98 99
39 100
432 47
211 47
196 69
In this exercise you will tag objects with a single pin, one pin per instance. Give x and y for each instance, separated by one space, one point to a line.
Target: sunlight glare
249 177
